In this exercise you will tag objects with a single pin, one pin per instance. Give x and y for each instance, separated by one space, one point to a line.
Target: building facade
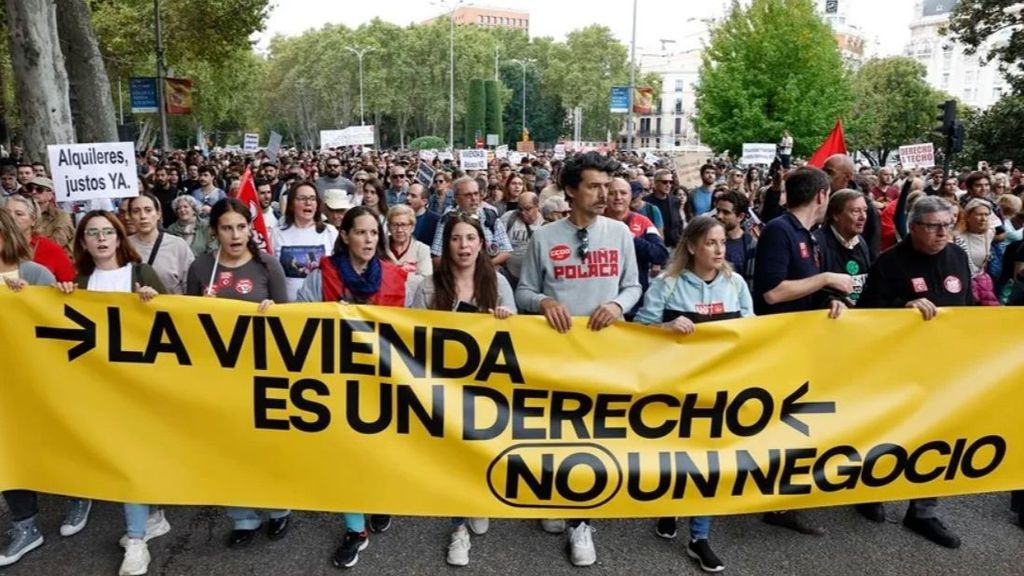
948 68
490 17
669 126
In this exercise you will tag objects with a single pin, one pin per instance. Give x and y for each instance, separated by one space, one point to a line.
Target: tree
994 135
893 106
476 111
492 95
545 114
975 23
769 67
41 83
94 121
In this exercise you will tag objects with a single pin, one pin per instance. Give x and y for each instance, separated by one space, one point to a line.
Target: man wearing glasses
583 265
398 186
926 271
54 223
468 200
668 204
520 224
332 178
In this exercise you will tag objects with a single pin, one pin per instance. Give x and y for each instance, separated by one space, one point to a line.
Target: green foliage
893 106
492 95
428 143
994 135
771 66
545 115
476 112
974 23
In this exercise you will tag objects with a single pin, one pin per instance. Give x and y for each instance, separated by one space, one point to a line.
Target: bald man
840 170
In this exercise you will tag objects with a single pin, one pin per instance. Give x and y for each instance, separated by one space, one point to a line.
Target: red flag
247 196
834 144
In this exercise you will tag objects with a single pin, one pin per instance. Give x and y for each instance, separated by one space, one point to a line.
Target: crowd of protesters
610 238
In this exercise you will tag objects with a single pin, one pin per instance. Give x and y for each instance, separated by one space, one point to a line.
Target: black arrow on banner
790 406
85 335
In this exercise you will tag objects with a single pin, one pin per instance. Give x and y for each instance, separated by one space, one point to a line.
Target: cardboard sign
88 171
758 154
273 146
559 152
475 159
918 155
425 174
251 143
501 152
428 155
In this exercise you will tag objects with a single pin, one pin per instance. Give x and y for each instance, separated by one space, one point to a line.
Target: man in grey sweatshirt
583 265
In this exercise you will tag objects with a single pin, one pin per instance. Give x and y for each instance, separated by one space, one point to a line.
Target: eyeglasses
400 225
100 232
306 199
663 181
584 238
470 194
399 176
934 228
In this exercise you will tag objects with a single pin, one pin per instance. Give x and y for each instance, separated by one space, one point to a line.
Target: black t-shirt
838 258
902 274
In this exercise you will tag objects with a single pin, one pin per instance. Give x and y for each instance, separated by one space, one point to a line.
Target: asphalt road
992 546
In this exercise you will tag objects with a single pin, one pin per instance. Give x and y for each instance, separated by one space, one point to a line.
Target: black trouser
24 504
1017 501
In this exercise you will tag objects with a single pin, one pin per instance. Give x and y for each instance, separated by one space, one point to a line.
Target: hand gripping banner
332 407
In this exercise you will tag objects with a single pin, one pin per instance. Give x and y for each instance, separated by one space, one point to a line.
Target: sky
883 22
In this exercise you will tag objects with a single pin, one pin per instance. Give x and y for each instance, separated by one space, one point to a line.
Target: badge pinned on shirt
953 284
244 286
919 285
805 252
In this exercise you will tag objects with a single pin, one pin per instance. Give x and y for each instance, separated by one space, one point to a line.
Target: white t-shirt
299 251
117 280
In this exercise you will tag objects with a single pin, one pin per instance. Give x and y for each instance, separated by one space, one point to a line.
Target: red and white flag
247 195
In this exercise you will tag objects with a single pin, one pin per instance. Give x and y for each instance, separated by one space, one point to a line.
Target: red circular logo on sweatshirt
953 284
560 252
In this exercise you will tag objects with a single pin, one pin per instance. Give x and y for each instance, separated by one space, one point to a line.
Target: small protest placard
88 171
474 159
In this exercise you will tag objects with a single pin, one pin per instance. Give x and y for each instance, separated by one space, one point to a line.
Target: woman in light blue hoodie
696 286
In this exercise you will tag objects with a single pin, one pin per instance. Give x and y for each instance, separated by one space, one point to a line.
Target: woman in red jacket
45 252
357 274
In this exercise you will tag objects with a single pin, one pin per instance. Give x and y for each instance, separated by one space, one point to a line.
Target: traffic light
947 118
956 141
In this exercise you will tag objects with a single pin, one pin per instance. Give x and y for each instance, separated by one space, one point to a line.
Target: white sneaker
479 525
156 526
581 545
553 526
136 558
458 550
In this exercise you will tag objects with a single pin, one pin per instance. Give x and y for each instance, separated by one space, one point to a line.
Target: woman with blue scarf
356 274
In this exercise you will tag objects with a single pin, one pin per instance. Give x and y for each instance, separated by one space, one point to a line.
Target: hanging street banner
90 171
643 100
620 100
456 414
143 95
917 155
178 92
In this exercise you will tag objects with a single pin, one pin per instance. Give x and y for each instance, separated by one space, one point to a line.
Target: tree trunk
86 73
40 80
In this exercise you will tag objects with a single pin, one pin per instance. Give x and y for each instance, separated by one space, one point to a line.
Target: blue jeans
700 527
135 517
252 518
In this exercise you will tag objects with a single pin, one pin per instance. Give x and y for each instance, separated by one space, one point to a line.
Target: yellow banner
343 408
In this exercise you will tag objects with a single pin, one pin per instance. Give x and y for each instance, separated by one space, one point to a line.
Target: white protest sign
501 152
473 159
651 159
758 154
351 136
559 152
428 155
251 143
88 171
445 155
273 146
918 155
514 158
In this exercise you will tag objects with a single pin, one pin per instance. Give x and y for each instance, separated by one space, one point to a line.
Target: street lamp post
450 6
523 64
632 83
360 52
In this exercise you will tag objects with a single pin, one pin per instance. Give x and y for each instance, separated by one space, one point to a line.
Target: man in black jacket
925 271
840 168
668 203
843 249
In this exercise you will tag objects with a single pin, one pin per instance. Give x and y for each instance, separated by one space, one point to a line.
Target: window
679 126
679 85
679 105
969 93
945 80
657 125
479 19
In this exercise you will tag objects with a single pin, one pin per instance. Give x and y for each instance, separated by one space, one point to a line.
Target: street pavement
993 545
